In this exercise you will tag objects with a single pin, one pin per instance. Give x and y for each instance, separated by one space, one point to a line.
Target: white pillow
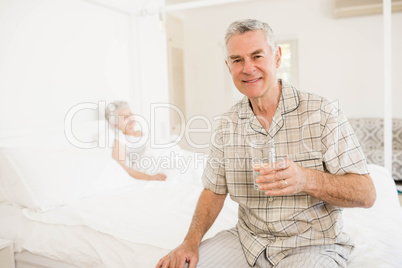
387 194
44 178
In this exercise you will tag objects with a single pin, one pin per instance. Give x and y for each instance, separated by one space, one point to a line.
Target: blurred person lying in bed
128 140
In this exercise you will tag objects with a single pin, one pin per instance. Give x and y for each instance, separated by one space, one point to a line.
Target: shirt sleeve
342 151
214 178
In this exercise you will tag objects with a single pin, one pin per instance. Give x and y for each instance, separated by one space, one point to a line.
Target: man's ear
227 64
278 57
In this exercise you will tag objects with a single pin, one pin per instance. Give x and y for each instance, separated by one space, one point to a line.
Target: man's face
252 64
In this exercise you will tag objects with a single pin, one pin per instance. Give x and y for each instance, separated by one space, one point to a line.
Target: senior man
294 219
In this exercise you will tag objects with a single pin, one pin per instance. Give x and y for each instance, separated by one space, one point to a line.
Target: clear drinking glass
262 154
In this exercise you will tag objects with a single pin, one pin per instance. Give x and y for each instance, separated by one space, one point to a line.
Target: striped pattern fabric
225 251
307 129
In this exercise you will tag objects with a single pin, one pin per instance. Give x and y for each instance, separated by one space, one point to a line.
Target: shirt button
270 199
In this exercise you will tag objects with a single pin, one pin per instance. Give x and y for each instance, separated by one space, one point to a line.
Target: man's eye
235 61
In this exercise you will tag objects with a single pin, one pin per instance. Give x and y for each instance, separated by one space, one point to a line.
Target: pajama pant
224 250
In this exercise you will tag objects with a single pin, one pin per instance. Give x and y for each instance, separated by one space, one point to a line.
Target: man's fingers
279 165
273 176
279 188
181 263
281 192
192 263
173 261
160 263
178 257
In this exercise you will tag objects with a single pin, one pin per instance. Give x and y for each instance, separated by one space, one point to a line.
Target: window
288 70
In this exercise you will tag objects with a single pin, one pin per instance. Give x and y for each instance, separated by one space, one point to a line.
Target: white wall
341 59
55 55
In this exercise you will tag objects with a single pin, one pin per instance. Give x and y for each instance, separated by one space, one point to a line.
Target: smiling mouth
251 81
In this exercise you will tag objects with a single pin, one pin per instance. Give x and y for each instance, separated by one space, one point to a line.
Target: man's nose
248 67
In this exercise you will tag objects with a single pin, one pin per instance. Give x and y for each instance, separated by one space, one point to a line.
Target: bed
64 206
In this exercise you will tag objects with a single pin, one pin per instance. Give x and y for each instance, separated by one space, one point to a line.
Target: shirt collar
288 102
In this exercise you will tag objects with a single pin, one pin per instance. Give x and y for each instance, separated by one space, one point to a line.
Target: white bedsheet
77 245
156 213
137 226
377 232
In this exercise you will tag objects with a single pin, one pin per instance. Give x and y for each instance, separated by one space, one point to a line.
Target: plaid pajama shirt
307 129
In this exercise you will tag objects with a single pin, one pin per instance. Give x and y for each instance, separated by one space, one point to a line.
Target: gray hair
242 26
112 111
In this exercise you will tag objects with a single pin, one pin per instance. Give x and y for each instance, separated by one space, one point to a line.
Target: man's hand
286 177
186 252
208 207
283 177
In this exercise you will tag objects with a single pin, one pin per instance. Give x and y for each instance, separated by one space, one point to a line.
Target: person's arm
208 208
349 190
119 154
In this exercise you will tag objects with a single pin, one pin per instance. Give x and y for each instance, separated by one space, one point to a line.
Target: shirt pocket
302 201
311 160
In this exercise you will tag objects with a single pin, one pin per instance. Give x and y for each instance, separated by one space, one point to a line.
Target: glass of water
262 155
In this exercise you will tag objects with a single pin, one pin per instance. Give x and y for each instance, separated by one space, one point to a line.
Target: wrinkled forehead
247 43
